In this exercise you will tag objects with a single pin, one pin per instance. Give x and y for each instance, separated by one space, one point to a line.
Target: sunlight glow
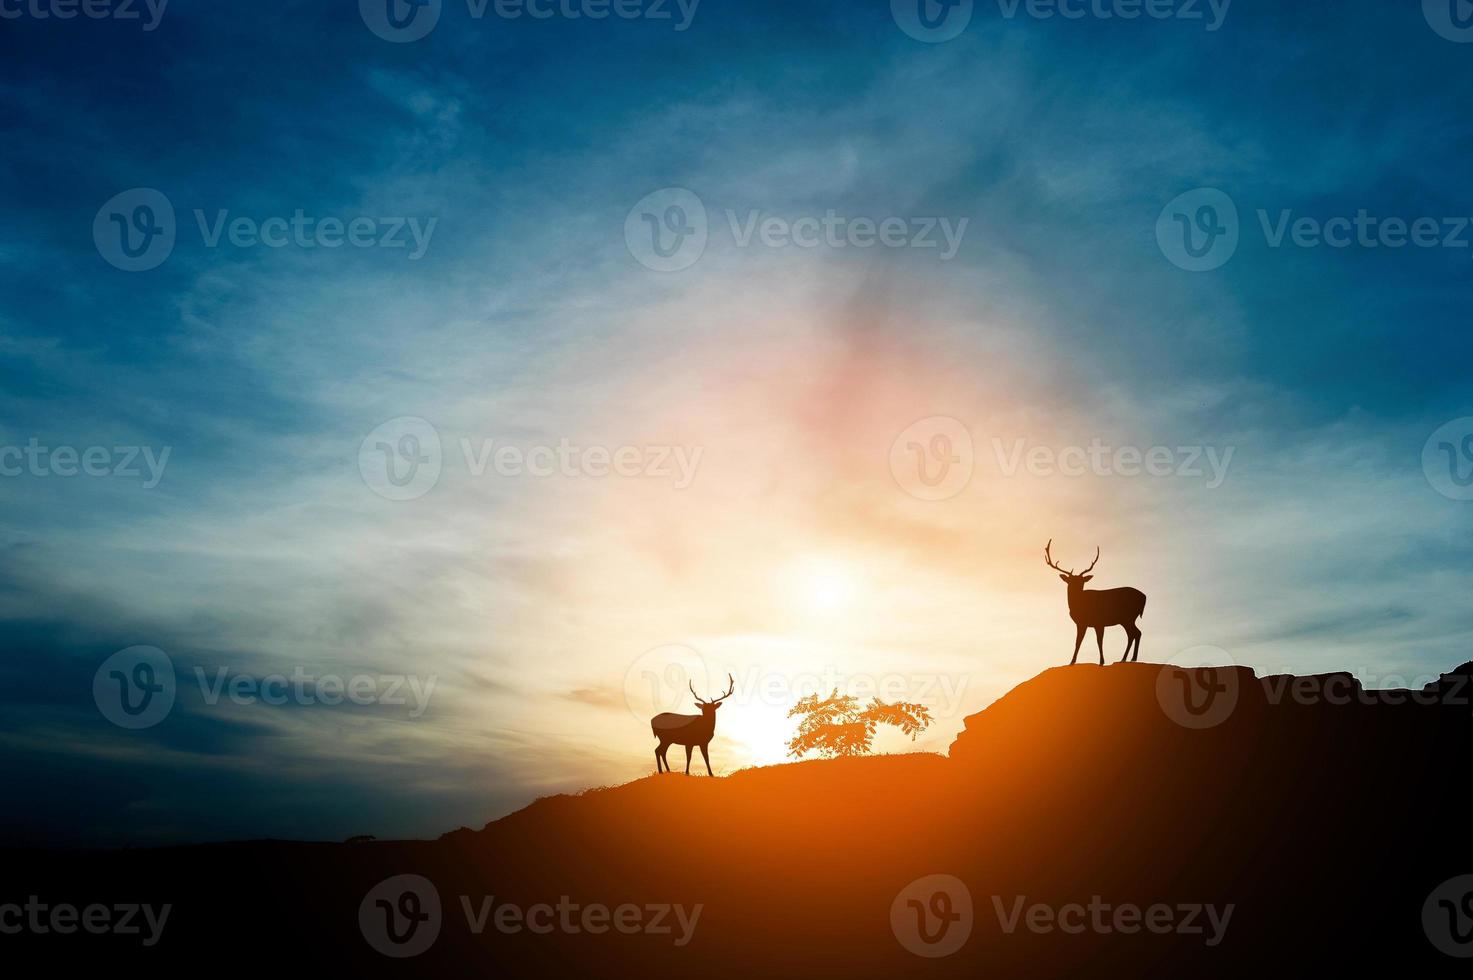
823 586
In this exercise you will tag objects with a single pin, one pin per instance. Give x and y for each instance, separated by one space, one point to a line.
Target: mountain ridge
1311 826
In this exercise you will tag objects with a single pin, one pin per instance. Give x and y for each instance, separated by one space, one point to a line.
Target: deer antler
1093 563
1050 560
729 691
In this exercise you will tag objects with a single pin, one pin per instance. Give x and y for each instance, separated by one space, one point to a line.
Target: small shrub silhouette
838 726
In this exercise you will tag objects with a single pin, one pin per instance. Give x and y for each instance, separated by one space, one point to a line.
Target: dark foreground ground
1094 822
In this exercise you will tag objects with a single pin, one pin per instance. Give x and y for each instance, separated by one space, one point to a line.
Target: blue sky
528 319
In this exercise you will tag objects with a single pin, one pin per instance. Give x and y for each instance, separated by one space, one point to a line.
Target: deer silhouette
1097 608
688 730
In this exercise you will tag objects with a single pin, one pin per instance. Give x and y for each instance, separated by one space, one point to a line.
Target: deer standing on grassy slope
688 730
1096 609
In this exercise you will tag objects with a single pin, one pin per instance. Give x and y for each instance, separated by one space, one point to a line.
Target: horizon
493 389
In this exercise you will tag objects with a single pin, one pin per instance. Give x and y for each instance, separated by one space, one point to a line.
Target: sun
822 586
762 732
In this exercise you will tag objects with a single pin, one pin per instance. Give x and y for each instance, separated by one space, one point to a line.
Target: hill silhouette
1308 821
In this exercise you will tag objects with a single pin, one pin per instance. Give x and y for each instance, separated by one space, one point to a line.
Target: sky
514 373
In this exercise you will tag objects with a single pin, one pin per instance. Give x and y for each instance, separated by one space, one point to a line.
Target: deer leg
1137 656
661 763
1078 639
687 760
708 760
1100 639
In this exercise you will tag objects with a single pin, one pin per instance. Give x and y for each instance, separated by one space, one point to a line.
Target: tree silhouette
837 725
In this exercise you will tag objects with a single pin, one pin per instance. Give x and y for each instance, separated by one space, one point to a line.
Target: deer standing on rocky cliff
1097 608
688 730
